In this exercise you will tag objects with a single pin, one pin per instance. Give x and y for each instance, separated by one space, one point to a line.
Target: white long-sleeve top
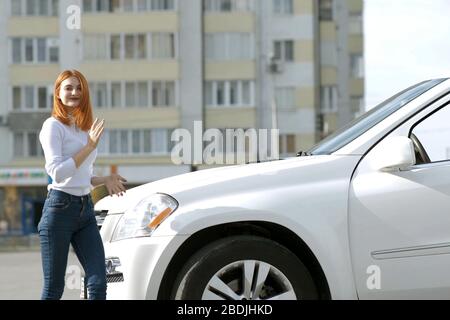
60 143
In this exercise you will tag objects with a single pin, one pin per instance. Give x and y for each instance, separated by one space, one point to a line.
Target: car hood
210 182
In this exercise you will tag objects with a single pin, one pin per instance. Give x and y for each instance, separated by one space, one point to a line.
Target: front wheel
244 268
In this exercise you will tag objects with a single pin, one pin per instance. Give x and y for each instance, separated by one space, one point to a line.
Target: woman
69 139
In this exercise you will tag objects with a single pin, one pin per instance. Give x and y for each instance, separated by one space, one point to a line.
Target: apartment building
157 65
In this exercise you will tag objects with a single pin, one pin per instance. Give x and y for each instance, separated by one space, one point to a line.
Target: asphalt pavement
21 276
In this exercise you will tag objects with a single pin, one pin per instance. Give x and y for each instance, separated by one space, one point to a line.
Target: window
32 144
31 8
29 50
113 142
17 98
19 144
134 94
103 5
142 5
156 94
32 98
116 94
101 94
228 5
247 92
29 97
16 50
326 10
135 141
88 6
284 50
142 94
229 46
234 87
115 47
123 141
163 94
42 98
41 50
43 8
53 49
285 98
283 6
129 46
135 46
159 140
128 5
229 93
169 93
94 47
36 50
34 7
16 7
220 93
162 5
55 7
130 94
328 98
147 141
434 134
26 144
99 6
355 23
225 5
114 6
357 65
163 45
141 46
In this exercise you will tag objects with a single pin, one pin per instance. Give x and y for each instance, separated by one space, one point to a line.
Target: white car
365 214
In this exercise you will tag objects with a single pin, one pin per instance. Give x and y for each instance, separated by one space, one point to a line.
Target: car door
399 221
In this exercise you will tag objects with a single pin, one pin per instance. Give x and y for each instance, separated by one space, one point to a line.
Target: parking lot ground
21 276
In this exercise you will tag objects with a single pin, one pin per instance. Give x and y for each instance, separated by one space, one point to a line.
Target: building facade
157 65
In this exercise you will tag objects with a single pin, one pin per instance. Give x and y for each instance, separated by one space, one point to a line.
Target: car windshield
369 119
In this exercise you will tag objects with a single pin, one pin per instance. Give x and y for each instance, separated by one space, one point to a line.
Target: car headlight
145 217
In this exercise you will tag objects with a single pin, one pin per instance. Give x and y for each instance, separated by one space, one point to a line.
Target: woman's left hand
114 184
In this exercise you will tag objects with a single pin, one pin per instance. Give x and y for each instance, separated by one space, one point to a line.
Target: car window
369 119
434 134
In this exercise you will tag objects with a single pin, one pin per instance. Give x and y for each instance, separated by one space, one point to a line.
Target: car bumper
142 263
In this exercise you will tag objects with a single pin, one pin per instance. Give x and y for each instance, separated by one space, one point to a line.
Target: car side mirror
393 153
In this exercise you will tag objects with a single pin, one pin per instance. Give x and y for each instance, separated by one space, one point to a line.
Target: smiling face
70 92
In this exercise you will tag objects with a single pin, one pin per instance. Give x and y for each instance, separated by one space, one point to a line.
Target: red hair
83 113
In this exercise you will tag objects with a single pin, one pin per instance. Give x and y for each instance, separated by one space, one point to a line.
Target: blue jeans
68 219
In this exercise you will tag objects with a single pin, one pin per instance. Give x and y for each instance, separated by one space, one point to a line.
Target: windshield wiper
303 153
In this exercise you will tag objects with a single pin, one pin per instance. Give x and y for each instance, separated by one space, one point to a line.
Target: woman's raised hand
96 132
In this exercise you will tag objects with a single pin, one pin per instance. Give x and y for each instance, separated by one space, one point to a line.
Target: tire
217 272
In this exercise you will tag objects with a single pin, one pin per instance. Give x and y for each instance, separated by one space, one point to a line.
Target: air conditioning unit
276 66
3 121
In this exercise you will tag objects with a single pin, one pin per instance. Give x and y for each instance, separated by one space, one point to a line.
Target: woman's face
70 92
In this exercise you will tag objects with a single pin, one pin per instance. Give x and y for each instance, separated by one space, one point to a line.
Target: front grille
100 217
110 278
115 277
